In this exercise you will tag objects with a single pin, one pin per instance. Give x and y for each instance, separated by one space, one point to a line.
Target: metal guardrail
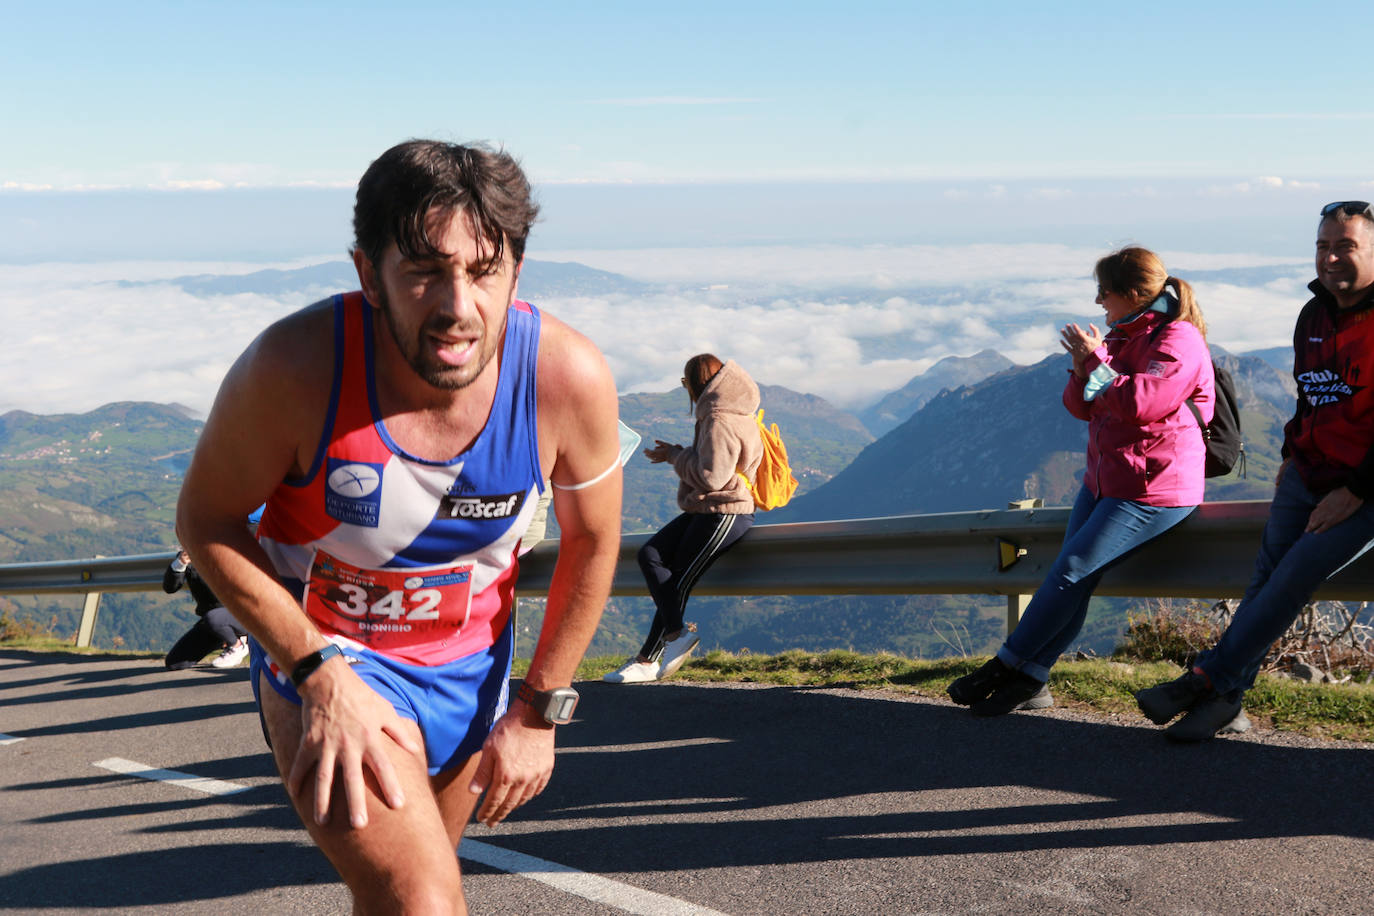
138 573
987 552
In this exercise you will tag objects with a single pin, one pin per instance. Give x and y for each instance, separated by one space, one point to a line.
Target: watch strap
311 663
527 694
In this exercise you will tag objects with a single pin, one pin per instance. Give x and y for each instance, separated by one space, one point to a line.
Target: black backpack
1222 437
1225 445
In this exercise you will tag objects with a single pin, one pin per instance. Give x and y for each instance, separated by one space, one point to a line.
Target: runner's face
445 316
1345 258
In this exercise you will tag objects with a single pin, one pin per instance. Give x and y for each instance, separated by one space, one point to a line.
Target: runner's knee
412 889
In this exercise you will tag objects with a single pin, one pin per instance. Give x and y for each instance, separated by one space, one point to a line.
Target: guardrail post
1016 606
1009 554
88 614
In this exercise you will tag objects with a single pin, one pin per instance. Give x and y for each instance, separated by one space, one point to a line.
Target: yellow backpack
773 483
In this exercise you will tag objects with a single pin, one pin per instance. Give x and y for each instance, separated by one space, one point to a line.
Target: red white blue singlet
414 559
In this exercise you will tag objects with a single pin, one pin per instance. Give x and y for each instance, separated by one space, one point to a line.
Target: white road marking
9 739
646 746
601 890
185 780
654 803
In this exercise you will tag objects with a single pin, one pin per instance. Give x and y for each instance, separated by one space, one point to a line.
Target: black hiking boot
1020 691
1216 713
1164 701
971 688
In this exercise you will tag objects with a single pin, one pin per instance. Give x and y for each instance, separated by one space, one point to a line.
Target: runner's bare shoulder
577 404
297 350
571 368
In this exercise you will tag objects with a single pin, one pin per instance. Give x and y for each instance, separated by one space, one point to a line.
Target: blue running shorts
456 704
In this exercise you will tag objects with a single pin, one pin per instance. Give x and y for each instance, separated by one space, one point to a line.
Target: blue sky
175 95
772 152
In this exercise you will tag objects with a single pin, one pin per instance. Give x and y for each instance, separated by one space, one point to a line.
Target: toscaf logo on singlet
480 507
353 492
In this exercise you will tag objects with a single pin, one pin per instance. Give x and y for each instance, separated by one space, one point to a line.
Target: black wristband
308 665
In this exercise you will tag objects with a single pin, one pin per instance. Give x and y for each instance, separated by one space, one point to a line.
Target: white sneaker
675 651
232 656
633 672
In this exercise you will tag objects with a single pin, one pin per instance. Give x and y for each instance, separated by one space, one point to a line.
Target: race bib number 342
388 608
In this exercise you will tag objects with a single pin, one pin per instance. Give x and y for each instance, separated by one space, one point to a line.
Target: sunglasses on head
1350 208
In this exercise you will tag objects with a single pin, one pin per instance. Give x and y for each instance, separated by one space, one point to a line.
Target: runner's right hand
345 726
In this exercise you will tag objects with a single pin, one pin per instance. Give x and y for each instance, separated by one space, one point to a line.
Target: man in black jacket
1322 515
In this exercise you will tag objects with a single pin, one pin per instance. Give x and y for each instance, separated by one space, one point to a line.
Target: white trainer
675 651
232 656
633 672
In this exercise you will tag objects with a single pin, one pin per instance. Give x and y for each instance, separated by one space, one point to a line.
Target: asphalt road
676 798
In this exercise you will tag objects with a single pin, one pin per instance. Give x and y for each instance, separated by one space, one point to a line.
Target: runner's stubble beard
414 347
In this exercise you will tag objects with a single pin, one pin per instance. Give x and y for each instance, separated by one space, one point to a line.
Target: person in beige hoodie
717 508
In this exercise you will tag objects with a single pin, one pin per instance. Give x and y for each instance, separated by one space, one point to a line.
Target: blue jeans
1101 533
1290 565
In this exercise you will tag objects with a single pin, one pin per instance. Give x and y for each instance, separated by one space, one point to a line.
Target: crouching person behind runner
400 437
215 627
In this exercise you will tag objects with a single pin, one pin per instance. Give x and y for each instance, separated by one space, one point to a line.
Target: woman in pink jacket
1145 462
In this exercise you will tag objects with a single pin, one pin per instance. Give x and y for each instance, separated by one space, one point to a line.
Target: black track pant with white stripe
674 559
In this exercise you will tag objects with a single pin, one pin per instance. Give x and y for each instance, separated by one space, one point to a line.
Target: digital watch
311 663
555 706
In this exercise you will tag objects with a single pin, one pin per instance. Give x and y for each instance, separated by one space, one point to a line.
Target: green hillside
103 483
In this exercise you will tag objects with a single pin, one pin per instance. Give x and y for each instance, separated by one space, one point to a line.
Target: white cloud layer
846 323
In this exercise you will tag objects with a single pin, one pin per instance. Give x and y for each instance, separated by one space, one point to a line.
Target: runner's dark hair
405 183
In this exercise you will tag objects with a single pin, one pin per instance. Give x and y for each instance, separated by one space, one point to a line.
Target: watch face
555 706
561 707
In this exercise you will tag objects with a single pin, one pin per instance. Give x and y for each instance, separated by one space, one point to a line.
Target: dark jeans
674 559
216 629
1290 565
1101 533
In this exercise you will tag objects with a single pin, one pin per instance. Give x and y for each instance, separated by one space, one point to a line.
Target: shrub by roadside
1326 643
16 629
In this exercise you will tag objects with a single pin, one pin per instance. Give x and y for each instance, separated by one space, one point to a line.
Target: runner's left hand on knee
517 761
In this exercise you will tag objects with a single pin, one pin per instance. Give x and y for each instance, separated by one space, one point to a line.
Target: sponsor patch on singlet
353 492
507 505
389 608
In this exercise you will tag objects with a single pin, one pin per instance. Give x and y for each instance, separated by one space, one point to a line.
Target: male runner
400 437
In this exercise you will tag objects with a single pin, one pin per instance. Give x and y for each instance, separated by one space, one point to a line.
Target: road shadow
63 678
762 750
670 777
72 676
123 881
